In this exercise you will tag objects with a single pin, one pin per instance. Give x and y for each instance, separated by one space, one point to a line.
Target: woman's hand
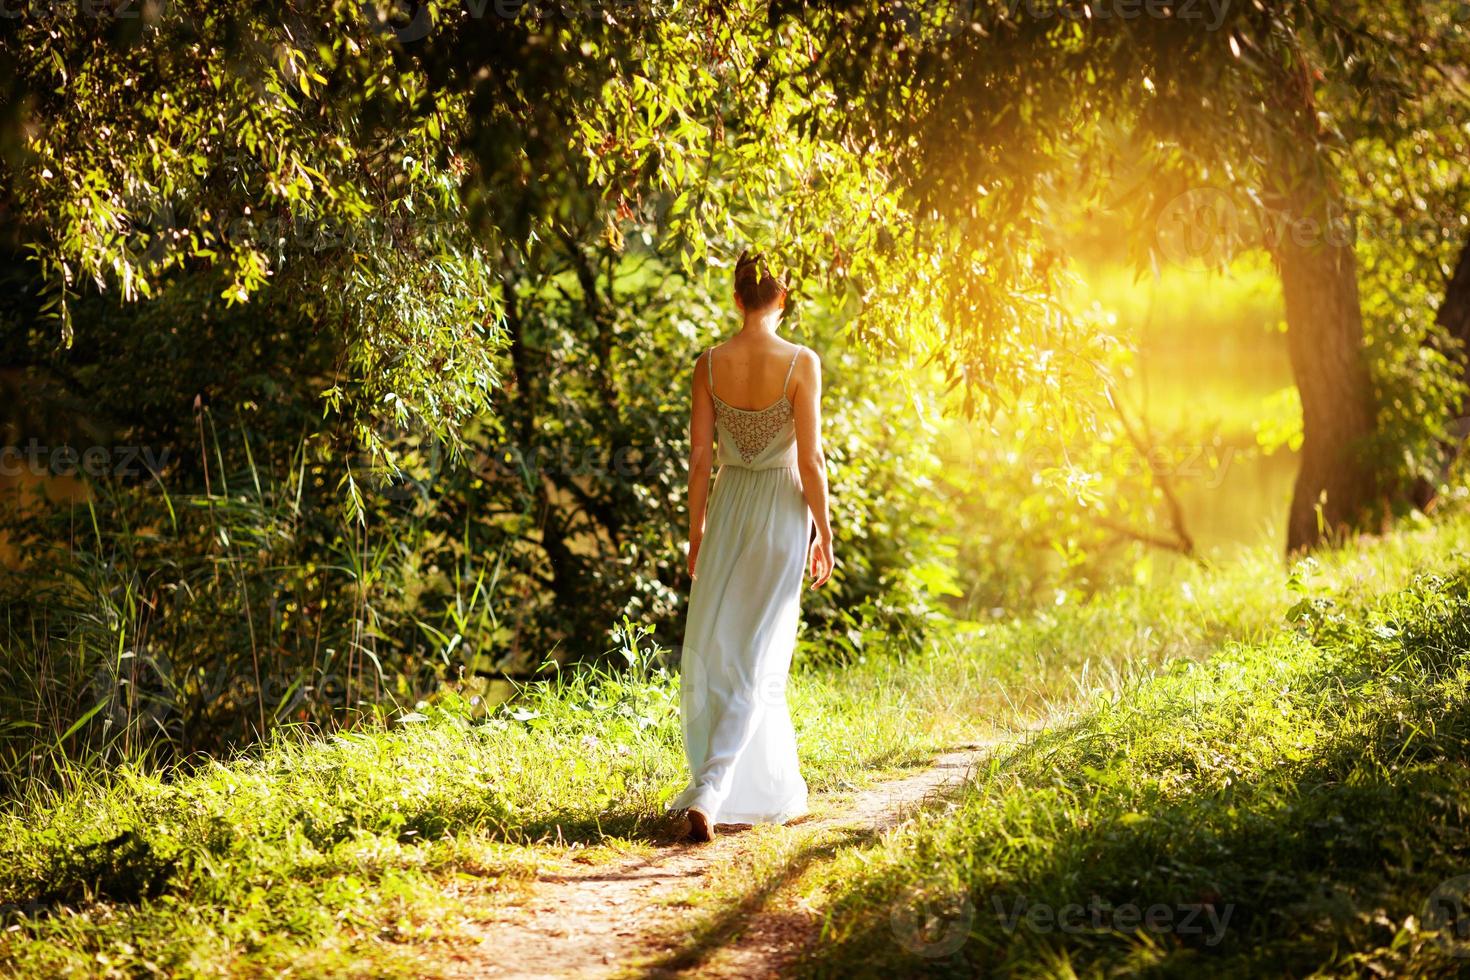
821 560
694 541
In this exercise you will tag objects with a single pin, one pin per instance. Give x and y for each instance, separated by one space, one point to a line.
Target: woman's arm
701 455
812 462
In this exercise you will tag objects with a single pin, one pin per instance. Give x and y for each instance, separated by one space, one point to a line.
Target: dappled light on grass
1262 803
321 845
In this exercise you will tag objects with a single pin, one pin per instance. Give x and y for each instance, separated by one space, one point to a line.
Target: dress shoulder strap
709 363
791 367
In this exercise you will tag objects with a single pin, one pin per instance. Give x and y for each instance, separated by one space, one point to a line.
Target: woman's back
751 373
760 434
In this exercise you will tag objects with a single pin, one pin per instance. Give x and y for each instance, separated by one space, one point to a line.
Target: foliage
402 272
275 147
1307 821
1412 193
1241 129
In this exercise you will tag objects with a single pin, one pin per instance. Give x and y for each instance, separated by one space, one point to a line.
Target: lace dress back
759 438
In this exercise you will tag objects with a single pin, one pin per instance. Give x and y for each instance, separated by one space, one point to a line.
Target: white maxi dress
744 608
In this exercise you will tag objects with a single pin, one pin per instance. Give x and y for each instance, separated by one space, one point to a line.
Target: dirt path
622 917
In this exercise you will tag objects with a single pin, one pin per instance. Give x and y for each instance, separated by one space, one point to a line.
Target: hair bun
754 284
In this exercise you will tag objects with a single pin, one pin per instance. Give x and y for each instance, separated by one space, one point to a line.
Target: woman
747 550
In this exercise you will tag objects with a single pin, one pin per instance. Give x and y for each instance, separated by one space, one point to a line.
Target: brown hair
754 284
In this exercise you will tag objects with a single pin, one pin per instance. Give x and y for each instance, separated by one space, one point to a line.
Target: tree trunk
1337 485
1453 316
1454 312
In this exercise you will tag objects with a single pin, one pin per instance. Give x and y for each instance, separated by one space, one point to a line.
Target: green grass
364 853
351 853
1286 808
